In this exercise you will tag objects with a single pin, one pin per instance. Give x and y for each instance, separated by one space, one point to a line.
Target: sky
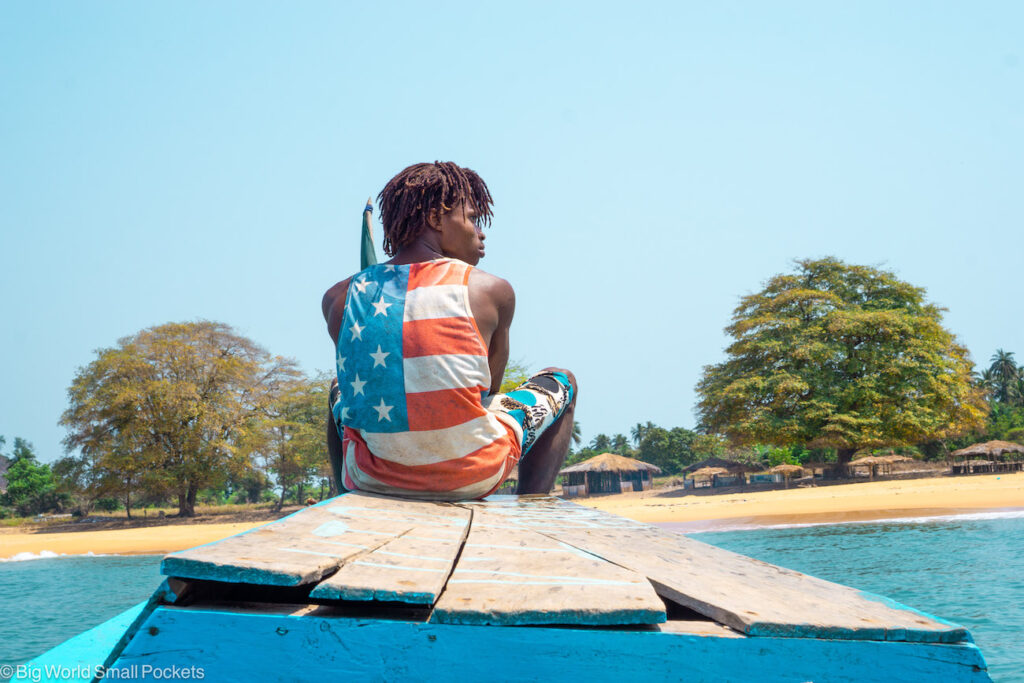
650 164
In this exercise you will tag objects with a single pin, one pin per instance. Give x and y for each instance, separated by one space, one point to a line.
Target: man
422 342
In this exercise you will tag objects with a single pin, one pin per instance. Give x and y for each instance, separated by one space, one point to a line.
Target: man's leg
538 469
334 450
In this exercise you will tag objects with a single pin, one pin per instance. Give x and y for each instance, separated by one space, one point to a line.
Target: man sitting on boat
422 342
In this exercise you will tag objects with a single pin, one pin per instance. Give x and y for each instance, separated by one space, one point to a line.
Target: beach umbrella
367 254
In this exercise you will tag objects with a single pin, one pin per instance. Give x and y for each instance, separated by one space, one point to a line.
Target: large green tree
839 356
291 441
170 408
31 488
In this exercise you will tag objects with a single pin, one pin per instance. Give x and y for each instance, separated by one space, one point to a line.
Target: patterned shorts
528 410
533 406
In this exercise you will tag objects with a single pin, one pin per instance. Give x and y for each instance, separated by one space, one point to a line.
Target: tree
1003 375
170 408
292 438
841 356
669 449
516 372
31 488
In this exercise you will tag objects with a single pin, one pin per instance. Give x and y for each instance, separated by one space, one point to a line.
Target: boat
506 588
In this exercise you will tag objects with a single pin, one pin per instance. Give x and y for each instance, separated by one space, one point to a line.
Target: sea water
46 599
968 569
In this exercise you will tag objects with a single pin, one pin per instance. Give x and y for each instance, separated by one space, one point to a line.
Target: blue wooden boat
509 588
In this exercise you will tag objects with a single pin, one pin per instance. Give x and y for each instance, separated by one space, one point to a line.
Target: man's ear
434 219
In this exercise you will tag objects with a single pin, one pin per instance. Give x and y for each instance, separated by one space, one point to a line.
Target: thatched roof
872 460
731 465
610 462
709 472
990 448
786 469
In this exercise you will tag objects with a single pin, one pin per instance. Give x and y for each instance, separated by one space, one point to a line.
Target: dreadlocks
409 197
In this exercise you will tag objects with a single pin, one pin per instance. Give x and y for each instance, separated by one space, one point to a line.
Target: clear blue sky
650 165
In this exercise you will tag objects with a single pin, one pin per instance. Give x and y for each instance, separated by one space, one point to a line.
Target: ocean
966 568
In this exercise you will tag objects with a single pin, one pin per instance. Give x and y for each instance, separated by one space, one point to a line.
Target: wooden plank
755 597
412 568
253 644
306 546
517 576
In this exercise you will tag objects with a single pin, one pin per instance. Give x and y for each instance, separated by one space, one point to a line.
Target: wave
959 517
46 555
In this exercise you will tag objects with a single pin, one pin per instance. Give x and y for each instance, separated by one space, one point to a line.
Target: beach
861 501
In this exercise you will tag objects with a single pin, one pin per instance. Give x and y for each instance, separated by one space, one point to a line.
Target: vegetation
839 356
825 361
171 410
31 488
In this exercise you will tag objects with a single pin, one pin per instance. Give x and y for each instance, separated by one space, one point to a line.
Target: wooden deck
540 560
389 589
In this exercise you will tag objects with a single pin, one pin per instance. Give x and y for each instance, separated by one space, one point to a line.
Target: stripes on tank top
412 370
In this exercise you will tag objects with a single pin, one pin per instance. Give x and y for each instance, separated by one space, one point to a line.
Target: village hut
996 451
708 476
873 462
787 471
734 471
607 473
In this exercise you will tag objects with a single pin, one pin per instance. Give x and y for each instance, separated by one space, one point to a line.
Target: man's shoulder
490 283
335 292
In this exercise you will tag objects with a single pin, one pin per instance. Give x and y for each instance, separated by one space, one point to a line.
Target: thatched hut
607 473
735 472
787 471
996 452
708 476
872 462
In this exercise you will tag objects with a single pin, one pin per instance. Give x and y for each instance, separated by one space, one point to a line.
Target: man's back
412 374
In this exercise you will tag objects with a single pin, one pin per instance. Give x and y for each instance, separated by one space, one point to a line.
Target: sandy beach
837 503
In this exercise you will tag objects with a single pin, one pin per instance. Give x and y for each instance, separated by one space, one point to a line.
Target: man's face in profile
461 235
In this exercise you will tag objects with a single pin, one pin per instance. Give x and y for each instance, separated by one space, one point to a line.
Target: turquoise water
968 569
44 602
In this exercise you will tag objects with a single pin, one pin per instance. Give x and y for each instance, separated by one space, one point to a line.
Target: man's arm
493 302
333 307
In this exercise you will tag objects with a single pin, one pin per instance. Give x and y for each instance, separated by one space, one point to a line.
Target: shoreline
834 504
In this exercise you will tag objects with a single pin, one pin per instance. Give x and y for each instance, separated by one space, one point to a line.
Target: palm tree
577 435
620 445
1005 373
639 431
601 443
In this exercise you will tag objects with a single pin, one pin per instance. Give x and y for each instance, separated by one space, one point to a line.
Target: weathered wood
755 597
260 644
412 568
507 575
307 545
